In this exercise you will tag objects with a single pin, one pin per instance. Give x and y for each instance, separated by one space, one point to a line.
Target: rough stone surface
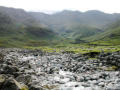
58 71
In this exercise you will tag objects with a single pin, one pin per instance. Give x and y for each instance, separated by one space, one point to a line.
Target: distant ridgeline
20 28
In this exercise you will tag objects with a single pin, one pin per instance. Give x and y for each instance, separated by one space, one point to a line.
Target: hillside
18 28
110 36
72 24
66 18
80 31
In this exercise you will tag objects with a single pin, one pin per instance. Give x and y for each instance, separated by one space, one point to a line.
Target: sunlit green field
60 46
77 48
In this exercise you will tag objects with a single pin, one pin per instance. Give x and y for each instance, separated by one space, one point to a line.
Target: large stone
102 84
9 85
26 79
8 69
2 79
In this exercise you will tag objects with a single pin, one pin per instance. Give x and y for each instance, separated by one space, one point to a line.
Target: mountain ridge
19 26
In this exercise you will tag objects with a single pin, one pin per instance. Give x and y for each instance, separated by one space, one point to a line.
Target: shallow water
64 80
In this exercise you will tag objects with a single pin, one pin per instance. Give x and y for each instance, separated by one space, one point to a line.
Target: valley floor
37 70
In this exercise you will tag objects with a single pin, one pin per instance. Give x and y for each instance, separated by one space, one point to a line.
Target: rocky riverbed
37 70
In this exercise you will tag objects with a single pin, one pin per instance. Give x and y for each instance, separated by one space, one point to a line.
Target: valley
66 50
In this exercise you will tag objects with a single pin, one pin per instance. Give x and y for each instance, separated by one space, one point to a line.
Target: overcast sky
108 6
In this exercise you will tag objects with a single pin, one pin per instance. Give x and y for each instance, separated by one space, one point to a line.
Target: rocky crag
36 70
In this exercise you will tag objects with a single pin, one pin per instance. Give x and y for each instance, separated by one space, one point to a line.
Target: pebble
56 71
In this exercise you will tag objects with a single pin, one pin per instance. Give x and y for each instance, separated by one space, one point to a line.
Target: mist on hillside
59 45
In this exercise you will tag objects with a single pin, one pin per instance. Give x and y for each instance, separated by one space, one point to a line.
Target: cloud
54 5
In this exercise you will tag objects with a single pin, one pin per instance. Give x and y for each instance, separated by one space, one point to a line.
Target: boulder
26 79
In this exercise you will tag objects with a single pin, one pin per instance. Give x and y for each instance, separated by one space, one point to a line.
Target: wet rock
95 77
104 75
41 71
113 87
86 85
9 85
86 78
92 54
36 88
80 79
2 79
8 69
102 84
26 79
118 81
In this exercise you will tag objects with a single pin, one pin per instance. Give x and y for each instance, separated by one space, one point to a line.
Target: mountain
19 28
110 36
66 18
74 24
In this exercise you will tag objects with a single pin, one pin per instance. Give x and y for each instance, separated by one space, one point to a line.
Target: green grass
110 37
76 48
58 45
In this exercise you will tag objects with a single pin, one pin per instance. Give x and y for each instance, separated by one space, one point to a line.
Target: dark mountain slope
17 28
21 28
110 36
18 15
76 24
66 18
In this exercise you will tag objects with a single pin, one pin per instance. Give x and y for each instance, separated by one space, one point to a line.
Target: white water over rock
64 71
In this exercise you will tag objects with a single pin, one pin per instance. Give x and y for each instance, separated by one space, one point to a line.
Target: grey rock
26 79
36 88
102 84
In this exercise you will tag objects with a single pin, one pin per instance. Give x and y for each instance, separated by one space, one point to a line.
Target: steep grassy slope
26 36
81 31
18 29
110 36
75 24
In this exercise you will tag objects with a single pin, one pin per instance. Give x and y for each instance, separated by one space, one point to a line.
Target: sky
48 6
